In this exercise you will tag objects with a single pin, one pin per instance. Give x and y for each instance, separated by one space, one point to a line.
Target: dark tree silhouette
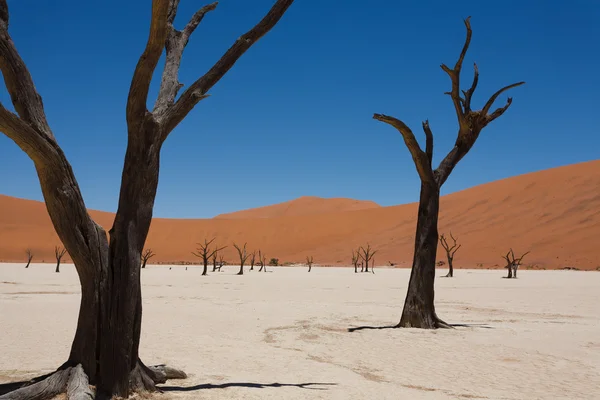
146 255
205 253
59 253
243 257
109 268
29 257
214 261
262 259
221 262
274 262
252 260
356 259
513 263
366 254
309 262
450 252
419 310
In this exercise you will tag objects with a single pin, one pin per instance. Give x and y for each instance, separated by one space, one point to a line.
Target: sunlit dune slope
553 213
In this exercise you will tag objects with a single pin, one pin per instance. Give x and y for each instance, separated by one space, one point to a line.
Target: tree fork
419 309
105 347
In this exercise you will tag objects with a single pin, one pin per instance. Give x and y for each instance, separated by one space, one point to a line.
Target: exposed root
78 387
72 381
439 324
163 372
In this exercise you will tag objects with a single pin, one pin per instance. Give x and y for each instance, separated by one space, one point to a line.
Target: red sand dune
554 213
306 205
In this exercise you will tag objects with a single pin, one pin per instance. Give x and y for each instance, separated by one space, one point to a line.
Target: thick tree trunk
214 265
366 266
241 272
57 266
419 310
355 268
515 273
510 275
205 269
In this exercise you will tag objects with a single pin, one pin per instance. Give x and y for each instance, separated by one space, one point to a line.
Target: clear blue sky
293 117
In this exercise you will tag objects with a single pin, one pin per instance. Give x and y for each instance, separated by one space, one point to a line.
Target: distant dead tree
262 259
419 308
373 266
59 252
366 254
355 259
146 255
309 262
221 262
29 257
243 257
513 263
205 253
392 264
252 260
450 251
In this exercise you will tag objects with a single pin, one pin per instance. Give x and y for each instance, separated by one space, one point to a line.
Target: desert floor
284 334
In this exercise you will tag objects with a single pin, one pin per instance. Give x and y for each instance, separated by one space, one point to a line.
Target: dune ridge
555 213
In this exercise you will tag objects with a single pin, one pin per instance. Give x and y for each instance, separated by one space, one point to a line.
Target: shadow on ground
360 328
310 385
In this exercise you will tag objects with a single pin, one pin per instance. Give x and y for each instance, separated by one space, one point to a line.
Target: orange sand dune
554 213
306 205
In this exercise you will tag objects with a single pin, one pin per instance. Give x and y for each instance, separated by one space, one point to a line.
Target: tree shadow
360 328
251 385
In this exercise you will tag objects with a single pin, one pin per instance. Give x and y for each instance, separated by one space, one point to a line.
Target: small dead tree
59 252
252 260
214 262
356 260
221 262
309 262
513 263
205 253
146 255
450 251
243 257
262 260
29 257
366 254
419 309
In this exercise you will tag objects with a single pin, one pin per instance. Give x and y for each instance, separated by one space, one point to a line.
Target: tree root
73 381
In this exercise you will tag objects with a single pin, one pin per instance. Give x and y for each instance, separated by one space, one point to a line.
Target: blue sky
294 116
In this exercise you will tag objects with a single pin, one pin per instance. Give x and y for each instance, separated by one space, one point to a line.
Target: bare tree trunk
241 271
57 266
450 269
214 265
515 272
144 264
510 275
419 310
205 269
28 262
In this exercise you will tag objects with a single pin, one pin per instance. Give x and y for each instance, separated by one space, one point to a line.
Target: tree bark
419 309
450 268
205 269
241 271
57 266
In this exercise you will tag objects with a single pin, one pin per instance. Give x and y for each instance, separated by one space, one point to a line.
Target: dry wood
450 251
243 257
419 309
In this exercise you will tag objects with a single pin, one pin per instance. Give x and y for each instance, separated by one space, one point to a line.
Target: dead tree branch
513 263
205 253
309 262
29 257
366 254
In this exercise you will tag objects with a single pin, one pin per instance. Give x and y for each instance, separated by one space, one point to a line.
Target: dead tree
29 257
513 263
109 268
146 255
59 253
309 262
221 262
262 260
373 267
366 254
252 260
205 253
450 252
355 260
214 262
243 257
419 310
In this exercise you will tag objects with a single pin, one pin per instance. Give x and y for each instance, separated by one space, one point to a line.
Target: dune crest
555 213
